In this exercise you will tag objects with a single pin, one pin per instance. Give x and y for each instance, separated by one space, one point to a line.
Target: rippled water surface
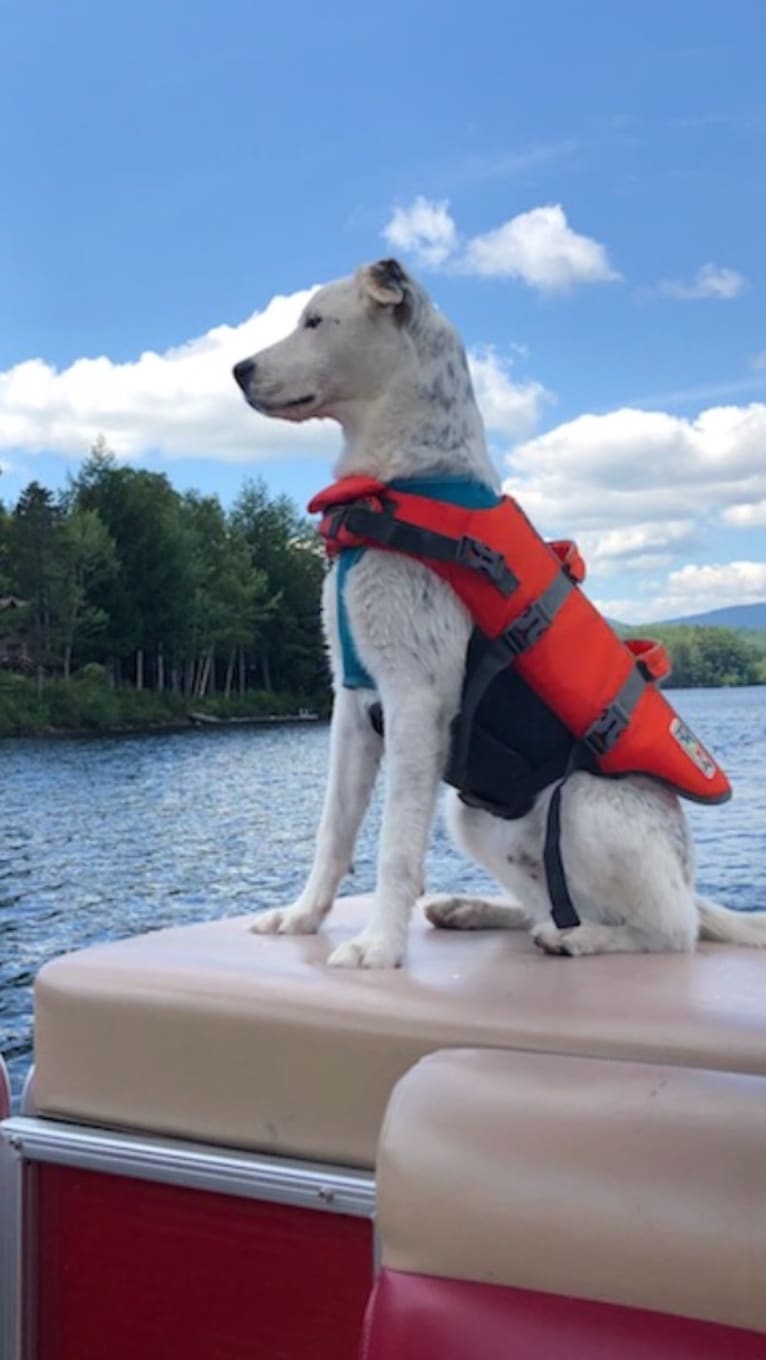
105 837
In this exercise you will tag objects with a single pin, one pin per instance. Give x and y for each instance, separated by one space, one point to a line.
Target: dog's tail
726 926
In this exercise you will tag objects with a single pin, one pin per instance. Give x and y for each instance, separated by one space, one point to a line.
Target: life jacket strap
357 523
563 909
609 726
528 626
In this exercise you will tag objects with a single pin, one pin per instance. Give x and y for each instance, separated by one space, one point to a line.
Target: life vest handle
569 556
650 656
346 490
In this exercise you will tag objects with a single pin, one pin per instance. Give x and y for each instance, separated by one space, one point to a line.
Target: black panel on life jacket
507 745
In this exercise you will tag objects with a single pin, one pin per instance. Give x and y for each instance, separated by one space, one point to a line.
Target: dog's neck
426 421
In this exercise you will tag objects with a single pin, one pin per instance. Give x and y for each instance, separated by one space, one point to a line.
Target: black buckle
527 629
335 521
607 729
478 556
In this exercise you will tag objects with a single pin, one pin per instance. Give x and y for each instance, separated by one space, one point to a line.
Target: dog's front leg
355 751
417 731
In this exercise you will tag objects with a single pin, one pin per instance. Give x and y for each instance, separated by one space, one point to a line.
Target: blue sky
582 188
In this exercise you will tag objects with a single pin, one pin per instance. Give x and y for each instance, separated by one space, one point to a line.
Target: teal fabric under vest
463 491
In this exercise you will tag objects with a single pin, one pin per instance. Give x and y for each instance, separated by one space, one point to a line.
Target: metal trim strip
28 1093
313 1185
11 1240
5 1090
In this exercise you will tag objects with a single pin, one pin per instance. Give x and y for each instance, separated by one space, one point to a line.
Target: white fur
386 365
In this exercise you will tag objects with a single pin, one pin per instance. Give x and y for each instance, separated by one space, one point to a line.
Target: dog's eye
312 321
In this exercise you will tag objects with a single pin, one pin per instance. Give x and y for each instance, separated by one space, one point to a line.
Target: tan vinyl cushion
214 1033
628 1183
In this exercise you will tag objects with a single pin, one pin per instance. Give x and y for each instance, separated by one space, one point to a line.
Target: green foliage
285 546
155 603
710 657
5 547
86 703
21 710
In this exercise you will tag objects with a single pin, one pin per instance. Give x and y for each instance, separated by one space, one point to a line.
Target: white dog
373 353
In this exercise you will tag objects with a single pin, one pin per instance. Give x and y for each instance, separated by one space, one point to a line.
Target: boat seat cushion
631 1184
211 1032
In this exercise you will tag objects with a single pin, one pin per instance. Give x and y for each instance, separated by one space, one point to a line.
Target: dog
373 353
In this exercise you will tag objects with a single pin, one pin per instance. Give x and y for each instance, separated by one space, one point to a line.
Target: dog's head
352 337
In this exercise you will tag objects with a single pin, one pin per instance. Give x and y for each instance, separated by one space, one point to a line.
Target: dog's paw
551 940
367 951
474 913
457 913
294 920
572 944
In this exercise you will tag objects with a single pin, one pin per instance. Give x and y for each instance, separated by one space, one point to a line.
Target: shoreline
189 723
198 720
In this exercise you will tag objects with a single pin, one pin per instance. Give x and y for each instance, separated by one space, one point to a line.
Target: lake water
105 837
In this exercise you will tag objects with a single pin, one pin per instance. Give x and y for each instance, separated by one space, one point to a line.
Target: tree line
164 590
123 585
703 657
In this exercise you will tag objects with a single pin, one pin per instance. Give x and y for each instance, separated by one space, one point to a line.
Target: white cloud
542 249
183 403
635 547
180 403
758 362
633 468
425 230
692 589
638 489
616 543
622 609
710 281
509 408
722 583
642 562
539 247
745 516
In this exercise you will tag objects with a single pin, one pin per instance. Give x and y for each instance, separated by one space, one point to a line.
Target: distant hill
735 616
722 647
741 616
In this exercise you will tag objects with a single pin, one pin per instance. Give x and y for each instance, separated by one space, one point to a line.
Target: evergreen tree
286 548
33 544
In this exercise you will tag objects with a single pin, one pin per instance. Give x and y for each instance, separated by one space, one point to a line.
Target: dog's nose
243 372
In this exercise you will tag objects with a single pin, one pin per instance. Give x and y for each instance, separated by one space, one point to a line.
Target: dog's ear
387 284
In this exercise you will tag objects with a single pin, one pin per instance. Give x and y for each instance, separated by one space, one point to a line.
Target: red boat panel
419 1317
130 1270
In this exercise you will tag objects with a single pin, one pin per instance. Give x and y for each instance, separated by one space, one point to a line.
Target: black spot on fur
439 395
526 862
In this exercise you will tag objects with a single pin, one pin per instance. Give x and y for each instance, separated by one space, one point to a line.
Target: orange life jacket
524 598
